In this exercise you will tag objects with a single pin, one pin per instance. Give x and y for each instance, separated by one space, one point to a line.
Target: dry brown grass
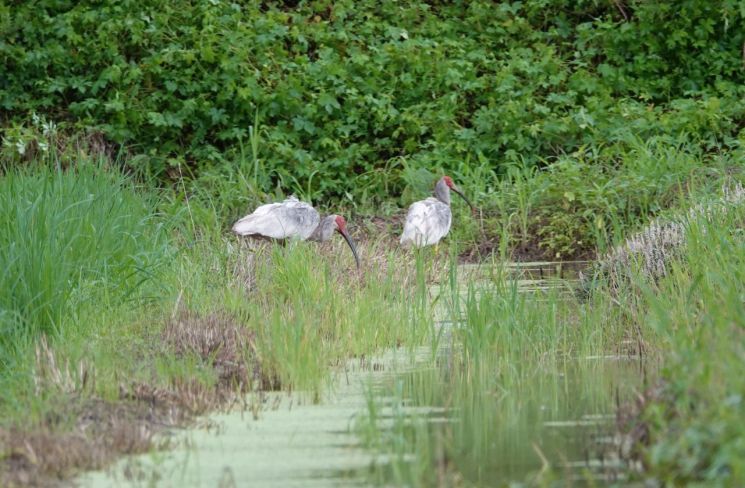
247 254
219 340
87 432
101 431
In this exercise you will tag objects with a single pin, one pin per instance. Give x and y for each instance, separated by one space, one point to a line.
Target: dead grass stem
87 432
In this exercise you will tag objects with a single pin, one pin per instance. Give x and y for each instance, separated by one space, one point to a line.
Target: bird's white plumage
427 222
285 220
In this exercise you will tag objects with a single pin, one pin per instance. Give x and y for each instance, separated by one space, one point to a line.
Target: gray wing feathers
289 219
427 222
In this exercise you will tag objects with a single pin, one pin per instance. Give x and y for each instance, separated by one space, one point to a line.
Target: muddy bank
87 432
385 231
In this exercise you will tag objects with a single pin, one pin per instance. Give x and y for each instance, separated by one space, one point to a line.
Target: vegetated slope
344 92
119 320
688 424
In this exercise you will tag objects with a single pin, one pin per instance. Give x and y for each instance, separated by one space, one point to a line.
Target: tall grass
79 248
582 201
85 250
514 361
694 417
312 311
517 361
68 237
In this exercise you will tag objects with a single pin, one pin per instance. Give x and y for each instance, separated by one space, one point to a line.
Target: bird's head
449 182
340 225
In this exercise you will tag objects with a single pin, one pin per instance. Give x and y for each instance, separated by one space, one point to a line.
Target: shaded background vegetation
347 100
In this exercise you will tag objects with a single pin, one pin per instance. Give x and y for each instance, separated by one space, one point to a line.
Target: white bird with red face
293 219
429 220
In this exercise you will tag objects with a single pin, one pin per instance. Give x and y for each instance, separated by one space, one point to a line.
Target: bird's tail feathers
245 226
411 237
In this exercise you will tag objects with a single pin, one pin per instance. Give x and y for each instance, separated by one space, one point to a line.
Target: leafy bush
590 198
341 92
585 200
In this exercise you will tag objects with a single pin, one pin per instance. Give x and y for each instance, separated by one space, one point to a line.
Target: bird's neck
442 192
324 230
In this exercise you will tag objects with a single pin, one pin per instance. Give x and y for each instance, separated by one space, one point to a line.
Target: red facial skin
451 185
341 224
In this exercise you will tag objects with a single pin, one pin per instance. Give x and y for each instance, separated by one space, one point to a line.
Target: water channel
558 418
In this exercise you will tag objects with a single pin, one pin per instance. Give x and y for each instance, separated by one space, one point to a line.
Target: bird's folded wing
425 224
288 219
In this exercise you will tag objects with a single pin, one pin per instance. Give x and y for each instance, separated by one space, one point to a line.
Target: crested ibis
429 220
293 219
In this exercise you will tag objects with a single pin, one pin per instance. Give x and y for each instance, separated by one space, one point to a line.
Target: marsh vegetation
607 133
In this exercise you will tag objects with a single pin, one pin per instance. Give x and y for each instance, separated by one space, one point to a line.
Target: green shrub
343 90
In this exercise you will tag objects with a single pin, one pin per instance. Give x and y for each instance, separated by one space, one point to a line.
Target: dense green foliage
347 99
68 239
568 122
588 199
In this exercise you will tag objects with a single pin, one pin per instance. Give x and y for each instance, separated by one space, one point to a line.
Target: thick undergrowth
121 321
688 424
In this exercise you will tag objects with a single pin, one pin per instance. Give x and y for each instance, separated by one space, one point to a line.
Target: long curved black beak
351 246
457 190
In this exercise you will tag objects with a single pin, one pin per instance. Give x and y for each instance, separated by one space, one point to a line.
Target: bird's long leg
421 272
435 260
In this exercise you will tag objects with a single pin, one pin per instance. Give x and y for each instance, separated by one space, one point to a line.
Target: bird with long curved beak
429 220
293 219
